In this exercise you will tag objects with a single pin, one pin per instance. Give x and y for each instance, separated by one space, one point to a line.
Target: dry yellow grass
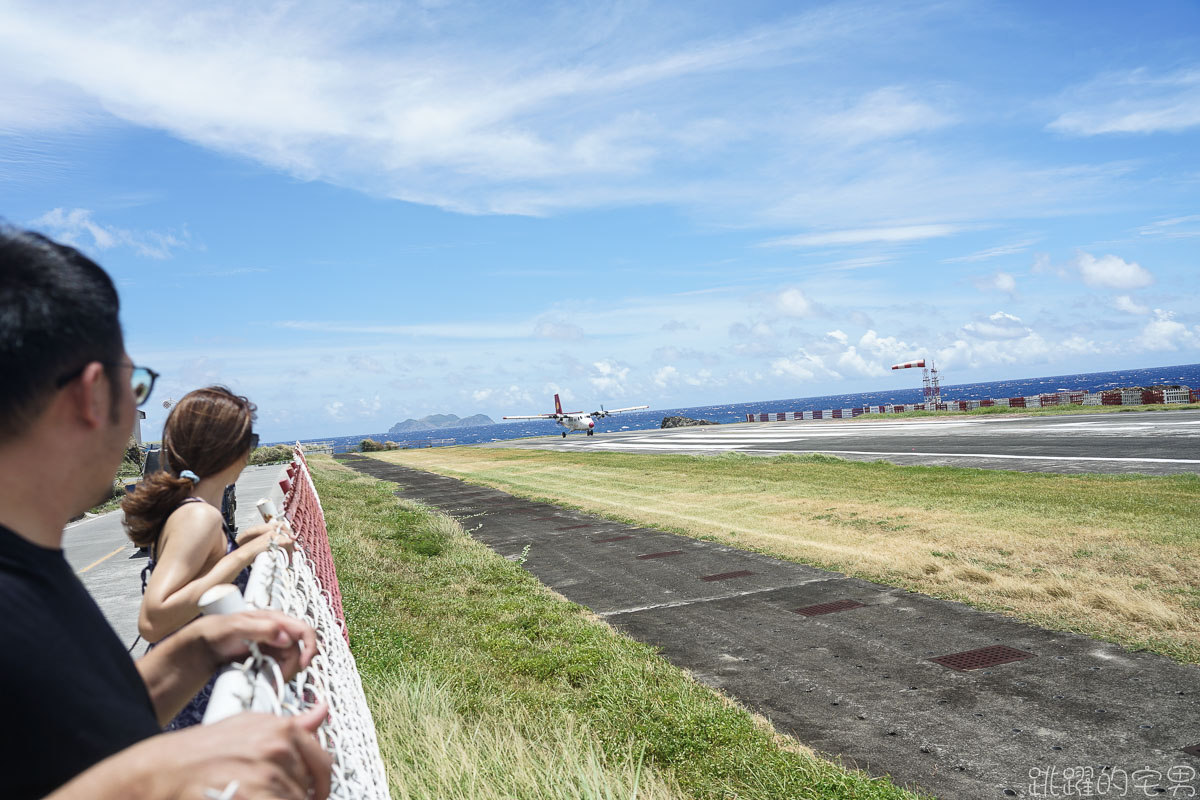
1111 556
431 750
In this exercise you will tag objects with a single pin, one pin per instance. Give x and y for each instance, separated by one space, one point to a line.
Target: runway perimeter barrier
1113 397
305 587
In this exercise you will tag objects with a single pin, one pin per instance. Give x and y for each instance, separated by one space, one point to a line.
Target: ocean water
1186 375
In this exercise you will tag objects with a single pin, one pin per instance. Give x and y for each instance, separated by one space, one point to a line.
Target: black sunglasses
141 380
253 442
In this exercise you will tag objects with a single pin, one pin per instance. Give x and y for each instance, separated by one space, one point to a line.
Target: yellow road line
100 560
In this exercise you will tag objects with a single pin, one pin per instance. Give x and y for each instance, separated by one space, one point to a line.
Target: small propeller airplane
577 420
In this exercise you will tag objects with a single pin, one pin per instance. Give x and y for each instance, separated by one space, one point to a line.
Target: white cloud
334 410
1043 264
557 329
1124 302
517 112
672 353
503 397
668 376
834 356
1111 272
802 365
882 114
564 394
609 378
533 111
1165 333
997 282
994 252
366 364
78 228
1000 326
369 407
1029 350
1133 102
752 330
1174 228
665 376
904 233
792 303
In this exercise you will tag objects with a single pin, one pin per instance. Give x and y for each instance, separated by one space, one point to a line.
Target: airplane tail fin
557 405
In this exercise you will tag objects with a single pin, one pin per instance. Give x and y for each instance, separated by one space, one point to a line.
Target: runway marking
101 560
730 596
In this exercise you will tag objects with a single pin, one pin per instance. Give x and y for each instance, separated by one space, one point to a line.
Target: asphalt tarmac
844 665
1148 442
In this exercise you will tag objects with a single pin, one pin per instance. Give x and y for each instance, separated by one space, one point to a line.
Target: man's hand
269 757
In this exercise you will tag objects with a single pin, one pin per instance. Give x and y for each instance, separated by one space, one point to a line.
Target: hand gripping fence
307 589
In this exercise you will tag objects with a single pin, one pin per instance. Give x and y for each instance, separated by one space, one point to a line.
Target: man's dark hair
58 312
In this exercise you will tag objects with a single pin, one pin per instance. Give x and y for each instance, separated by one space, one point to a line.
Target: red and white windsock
909 364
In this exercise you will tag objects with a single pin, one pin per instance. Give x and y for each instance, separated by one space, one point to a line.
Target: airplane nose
591 423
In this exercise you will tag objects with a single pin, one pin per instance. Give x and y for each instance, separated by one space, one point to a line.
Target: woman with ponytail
176 513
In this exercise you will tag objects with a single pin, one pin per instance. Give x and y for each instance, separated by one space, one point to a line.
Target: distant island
437 421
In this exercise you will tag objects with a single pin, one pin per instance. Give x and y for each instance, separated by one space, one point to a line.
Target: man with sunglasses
81 719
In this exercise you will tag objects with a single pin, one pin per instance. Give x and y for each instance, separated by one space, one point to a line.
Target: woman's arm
253 532
175 670
191 539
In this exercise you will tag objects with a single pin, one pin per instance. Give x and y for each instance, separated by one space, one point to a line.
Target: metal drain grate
724 576
663 554
575 527
612 539
1194 750
828 608
983 657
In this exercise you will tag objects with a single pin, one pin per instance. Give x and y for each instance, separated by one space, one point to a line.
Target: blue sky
365 212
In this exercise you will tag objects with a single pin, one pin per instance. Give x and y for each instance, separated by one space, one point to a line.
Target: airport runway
1151 442
881 677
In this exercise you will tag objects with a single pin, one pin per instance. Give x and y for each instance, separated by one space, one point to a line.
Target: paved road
1156 443
110 568
859 682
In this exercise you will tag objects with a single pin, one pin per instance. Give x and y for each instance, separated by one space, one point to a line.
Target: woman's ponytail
147 509
206 431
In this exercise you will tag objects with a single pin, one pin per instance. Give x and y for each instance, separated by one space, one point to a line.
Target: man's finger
311 719
303 633
317 761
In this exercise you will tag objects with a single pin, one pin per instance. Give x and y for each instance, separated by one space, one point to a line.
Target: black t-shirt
70 695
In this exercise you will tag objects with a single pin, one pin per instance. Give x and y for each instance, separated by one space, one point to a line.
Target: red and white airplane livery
577 420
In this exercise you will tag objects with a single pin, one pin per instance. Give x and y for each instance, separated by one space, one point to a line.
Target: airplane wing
603 413
534 416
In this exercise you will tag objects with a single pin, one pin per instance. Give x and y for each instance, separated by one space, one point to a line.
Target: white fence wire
257 685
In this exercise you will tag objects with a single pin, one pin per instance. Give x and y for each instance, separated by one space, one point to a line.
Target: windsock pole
931 383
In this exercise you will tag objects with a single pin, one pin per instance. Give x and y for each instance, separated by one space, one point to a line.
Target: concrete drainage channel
961 703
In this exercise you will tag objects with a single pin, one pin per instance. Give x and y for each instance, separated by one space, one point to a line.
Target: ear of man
94 402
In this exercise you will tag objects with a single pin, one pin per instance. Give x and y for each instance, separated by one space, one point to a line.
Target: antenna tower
932 386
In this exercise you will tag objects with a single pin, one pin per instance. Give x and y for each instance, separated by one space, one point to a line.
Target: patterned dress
193 712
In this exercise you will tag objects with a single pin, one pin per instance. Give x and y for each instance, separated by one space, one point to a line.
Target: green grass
1096 554
425 602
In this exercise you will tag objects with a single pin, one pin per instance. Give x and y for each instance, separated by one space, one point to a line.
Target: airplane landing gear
564 434
590 431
